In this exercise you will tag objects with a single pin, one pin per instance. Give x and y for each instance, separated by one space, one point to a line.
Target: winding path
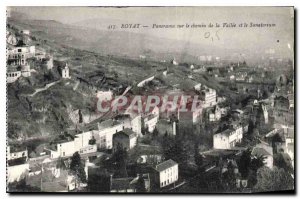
43 89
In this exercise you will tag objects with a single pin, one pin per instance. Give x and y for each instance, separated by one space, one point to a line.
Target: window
64 153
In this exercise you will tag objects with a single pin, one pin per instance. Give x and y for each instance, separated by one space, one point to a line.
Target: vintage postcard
150 99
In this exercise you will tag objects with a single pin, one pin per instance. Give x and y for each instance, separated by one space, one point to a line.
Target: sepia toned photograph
144 100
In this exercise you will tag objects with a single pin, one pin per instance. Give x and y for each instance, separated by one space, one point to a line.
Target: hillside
50 111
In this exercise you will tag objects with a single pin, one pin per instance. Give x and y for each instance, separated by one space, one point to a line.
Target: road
43 89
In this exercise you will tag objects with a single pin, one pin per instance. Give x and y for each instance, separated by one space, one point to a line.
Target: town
238 139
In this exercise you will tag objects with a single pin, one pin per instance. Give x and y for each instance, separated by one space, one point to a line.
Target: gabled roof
129 132
108 123
165 165
226 132
121 184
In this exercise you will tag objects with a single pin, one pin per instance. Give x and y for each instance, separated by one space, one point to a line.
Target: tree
244 163
175 149
155 132
283 163
80 116
140 185
257 163
229 177
77 168
250 129
21 186
273 180
120 158
98 180
198 158
92 141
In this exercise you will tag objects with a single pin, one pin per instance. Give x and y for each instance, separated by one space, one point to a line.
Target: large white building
12 76
167 173
102 133
19 55
15 171
228 138
106 130
80 143
14 154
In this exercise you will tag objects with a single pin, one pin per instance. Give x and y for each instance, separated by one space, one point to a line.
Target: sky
276 38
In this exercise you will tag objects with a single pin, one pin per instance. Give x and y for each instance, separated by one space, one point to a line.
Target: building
166 127
228 138
67 147
106 130
40 54
16 172
52 180
166 173
103 131
282 112
104 95
150 159
266 151
122 185
25 32
136 124
126 139
150 122
19 55
174 62
12 74
287 144
214 114
48 62
16 152
190 116
208 96
25 70
197 87
65 73
17 164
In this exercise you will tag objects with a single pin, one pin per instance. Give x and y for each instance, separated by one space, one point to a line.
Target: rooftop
128 131
108 123
121 183
226 132
165 165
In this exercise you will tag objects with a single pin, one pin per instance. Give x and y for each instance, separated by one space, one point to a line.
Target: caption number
111 27
209 35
